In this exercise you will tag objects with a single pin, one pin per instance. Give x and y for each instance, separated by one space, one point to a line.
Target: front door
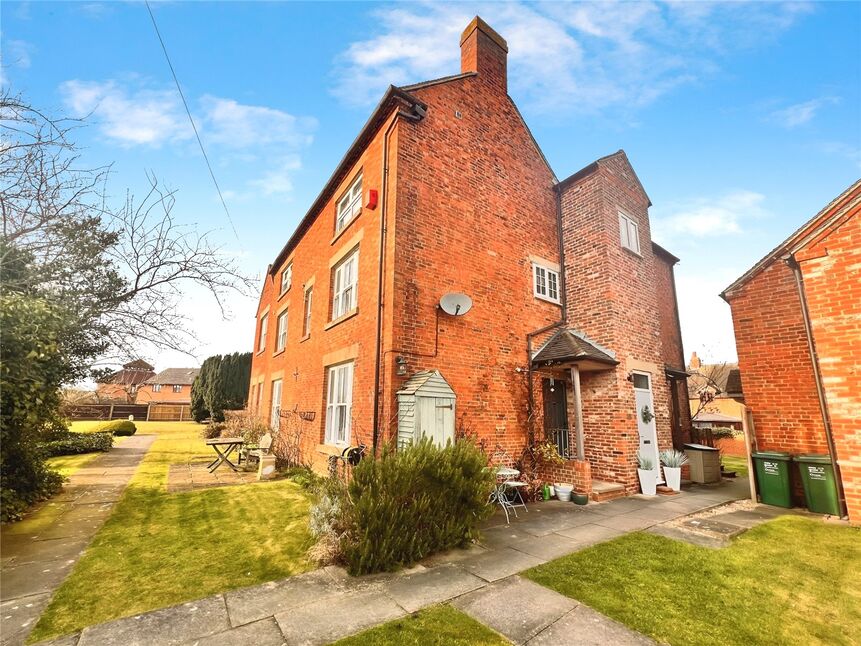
556 414
646 427
435 419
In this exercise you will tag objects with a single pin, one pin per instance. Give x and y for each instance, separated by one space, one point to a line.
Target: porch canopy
570 350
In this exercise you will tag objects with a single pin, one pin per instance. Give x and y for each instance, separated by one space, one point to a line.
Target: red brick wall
575 472
613 299
146 394
831 271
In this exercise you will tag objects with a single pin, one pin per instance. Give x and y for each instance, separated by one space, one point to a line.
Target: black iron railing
560 439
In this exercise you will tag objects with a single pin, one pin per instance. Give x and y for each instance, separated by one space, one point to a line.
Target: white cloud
582 57
128 116
240 126
800 113
708 217
17 53
278 180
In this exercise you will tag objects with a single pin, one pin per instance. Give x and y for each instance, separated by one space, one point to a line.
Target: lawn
440 625
789 581
733 463
159 549
66 465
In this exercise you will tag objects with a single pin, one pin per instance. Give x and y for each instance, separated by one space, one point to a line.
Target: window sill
346 227
281 351
259 352
632 252
330 449
305 338
283 294
547 300
341 318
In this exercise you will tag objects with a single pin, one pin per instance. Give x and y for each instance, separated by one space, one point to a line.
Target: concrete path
39 553
326 605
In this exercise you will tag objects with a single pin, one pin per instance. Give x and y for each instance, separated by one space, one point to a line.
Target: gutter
563 319
419 112
820 389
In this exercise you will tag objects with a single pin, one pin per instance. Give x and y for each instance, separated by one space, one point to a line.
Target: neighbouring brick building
797 319
170 386
123 385
567 325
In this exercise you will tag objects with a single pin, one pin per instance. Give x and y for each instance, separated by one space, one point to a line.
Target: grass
66 465
733 463
159 549
791 580
440 625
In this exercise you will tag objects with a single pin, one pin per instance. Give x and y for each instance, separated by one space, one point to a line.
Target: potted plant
646 473
673 462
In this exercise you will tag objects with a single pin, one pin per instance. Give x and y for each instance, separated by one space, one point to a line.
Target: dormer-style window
545 283
629 233
286 278
349 206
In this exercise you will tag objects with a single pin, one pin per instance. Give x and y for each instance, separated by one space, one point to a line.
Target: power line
191 119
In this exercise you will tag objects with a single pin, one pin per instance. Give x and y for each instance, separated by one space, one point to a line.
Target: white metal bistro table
506 479
231 444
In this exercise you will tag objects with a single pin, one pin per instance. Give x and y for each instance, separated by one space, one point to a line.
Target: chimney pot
484 51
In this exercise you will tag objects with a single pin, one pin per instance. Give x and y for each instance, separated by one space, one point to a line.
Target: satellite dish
455 304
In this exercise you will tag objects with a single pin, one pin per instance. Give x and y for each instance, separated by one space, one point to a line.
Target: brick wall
831 270
146 394
575 472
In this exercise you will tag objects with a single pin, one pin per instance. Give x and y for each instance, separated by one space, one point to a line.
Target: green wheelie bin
772 476
820 487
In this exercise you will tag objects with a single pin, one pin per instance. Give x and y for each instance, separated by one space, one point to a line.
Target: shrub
411 503
212 430
119 427
68 443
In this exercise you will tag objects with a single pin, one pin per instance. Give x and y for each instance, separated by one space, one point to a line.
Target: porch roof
570 347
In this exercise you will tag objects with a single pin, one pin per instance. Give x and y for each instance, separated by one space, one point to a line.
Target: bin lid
816 458
772 455
700 447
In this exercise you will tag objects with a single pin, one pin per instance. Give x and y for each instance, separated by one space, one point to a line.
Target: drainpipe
820 390
418 115
530 406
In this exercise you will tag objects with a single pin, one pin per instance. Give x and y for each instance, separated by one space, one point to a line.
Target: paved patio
191 476
481 581
37 556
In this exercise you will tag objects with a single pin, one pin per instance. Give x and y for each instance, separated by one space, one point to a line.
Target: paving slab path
38 554
326 605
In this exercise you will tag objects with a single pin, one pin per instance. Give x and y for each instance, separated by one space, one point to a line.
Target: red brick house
123 385
573 327
170 386
797 319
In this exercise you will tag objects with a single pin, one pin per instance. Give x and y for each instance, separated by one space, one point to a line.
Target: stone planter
648 481
673 476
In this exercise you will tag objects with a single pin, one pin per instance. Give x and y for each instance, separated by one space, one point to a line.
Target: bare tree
706 382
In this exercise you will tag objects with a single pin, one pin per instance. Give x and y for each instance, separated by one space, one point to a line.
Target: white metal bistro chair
507 493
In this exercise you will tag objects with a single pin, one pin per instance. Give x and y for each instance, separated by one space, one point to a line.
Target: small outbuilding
426 406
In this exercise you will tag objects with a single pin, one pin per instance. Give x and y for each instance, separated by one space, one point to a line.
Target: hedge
119 427
68 443
413 502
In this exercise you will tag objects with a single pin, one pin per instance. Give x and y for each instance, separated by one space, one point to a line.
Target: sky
742 120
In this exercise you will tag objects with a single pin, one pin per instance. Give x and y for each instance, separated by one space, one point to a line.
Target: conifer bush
413 502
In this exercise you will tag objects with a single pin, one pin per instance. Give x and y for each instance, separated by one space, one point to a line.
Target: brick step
604 491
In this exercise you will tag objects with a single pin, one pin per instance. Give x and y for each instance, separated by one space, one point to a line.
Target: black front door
556 414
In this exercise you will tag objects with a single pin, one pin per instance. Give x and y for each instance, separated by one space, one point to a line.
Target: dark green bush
68 443
413 502
119 427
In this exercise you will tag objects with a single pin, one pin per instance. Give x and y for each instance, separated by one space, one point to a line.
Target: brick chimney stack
695 361
484 51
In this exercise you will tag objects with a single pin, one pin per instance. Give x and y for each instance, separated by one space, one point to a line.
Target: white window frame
275 406
281 332
177 388
306 312
156 388
349 206
264 325
286 279
629 233
345 283
259 397
545 281
339 403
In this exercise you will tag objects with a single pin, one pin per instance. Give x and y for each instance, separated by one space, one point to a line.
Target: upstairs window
546 283
287 278
629 232
177 388
264 323
156 388
339 404
281 334
306 319
344 281
349 206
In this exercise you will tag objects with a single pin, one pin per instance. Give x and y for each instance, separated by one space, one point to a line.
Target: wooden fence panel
169 412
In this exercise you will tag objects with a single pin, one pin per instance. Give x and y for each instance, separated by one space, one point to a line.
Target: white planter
563 491
648 481
673 476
